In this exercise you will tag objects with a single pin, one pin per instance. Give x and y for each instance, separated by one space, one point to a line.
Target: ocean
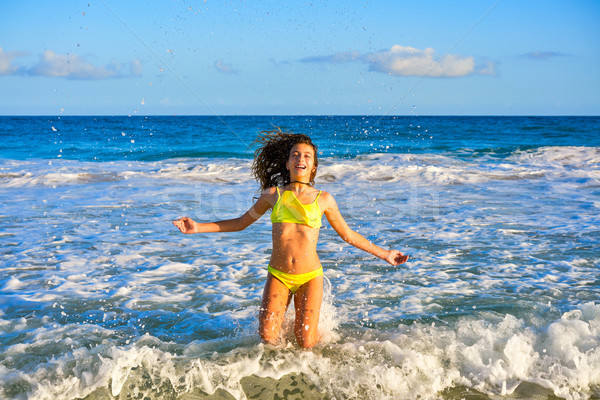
101 297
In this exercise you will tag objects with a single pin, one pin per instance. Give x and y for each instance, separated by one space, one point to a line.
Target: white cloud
486 68
409 61
221 66
7 67
69 66
136 67
72 66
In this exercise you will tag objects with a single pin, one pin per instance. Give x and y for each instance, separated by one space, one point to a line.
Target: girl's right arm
188 225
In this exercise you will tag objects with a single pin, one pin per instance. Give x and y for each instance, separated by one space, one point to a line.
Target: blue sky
506 57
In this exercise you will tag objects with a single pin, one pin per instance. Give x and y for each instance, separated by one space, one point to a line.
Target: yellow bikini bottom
294 281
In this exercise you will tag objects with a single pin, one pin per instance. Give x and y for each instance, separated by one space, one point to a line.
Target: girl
285 166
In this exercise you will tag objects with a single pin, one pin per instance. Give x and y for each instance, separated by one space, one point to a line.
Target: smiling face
302 163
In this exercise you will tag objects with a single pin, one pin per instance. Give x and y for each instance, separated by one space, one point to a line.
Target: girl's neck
299 186
303 183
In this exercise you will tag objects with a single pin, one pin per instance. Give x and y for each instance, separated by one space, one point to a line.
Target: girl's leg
275 301
307 302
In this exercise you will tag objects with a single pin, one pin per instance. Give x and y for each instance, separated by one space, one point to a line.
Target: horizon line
297 115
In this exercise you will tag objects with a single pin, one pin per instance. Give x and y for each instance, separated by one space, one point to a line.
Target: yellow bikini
289 209
294 281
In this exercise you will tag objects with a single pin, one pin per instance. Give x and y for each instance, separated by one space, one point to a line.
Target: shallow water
101 297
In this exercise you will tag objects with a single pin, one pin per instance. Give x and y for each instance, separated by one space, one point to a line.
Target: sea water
102 297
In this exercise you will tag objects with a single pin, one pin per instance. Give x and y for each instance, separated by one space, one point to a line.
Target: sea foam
418 361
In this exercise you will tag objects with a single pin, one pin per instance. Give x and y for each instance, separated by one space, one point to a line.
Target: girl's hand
185 225
394 257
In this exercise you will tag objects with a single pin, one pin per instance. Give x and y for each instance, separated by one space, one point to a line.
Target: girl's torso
296 221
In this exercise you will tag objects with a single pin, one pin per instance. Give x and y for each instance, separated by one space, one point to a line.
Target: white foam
13 284
383 168
419 360
70 172
559 156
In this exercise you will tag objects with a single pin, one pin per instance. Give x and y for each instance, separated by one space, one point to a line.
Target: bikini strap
318 195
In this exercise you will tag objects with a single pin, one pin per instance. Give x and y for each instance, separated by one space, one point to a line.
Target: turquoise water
101 297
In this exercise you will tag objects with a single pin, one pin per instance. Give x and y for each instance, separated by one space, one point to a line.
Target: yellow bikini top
289 209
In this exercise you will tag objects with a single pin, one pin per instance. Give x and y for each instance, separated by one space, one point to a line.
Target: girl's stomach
294 248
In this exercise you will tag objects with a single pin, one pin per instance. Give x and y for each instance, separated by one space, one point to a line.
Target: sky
262 57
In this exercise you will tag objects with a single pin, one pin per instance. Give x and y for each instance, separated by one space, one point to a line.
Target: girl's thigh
307 303
275 300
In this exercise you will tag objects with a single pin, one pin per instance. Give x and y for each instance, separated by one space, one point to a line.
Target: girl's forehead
302 148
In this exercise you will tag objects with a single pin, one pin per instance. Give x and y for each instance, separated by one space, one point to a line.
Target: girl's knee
268 332
307 336
269 326
307 343
268 337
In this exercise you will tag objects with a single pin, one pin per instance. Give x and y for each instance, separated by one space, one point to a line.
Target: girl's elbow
348 237
240 225
230 226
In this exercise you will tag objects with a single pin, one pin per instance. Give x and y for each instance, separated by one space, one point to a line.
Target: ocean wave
430 169
423 361
559 156
64 173
437 169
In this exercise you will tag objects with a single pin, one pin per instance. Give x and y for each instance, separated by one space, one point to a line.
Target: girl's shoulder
270 191
326 200
269 195
324 194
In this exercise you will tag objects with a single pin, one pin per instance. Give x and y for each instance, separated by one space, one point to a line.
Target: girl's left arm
354 238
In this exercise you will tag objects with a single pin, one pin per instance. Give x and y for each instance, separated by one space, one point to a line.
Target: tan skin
294 251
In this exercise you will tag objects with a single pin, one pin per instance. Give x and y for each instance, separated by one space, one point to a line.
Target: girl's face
301 162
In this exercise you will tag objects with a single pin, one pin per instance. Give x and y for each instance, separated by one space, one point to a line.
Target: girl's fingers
401 258
180 225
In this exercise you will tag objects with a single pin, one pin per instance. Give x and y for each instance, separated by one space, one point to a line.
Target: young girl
285 166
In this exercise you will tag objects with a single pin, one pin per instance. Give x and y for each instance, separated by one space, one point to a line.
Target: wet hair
269 166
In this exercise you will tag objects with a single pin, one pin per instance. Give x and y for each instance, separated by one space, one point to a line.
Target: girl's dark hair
270 158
